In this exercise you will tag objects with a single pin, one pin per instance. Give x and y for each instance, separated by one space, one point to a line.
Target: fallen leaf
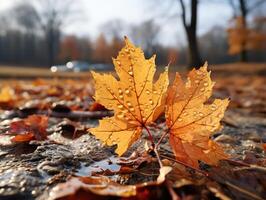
6 94
191 120
135 99
33 127
96 107
102 186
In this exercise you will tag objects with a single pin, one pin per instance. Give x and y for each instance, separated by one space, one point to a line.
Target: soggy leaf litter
34 169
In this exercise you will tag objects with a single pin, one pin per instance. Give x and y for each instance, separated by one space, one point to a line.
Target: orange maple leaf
191 120
135 99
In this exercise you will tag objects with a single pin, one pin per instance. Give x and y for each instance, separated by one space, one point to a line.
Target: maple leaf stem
158 157
161 138
153 146
150 136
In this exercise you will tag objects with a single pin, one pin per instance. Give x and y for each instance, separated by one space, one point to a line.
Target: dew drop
180 119
120 106
127 118
120 91
155 92
151 101
130 72
121 96
114 142
110 105
129 103
148 92
213 107
205 84
197 81
127 91
198 72
131 109
185 114
144 118
118 62
120 115
202 89
130 80
201 114
206 151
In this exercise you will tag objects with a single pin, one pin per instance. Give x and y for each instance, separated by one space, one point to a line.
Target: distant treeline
33 35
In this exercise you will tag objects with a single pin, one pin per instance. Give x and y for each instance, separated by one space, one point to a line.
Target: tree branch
234 7
183 15
255 5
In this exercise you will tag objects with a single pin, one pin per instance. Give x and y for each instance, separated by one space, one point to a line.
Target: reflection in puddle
100 166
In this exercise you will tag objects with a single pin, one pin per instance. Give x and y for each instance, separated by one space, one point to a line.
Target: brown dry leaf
33 127
102 186
191 120
135 99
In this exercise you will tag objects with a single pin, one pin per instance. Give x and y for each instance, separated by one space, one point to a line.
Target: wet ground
30 170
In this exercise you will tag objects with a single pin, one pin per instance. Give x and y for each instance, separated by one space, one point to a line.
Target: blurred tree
101 50
115 46
27 19
75 48
189 17
114 29
26 16
241 10
213 45
172 56
69 49
241 39
53 15
191 31
145 35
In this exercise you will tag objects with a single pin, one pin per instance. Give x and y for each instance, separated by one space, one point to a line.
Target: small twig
235 162
252 167
188 166
248 193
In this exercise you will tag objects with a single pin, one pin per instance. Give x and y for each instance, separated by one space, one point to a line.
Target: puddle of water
100 166
5 140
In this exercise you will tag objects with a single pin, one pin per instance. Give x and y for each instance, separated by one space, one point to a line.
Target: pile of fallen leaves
182 116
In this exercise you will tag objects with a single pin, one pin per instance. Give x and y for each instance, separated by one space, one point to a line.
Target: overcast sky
97 12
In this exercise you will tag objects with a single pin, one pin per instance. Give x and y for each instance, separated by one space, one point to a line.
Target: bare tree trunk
50 45
191 33
243 8
194 56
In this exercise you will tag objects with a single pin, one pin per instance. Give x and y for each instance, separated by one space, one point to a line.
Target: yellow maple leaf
6 94
191 120
135 99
